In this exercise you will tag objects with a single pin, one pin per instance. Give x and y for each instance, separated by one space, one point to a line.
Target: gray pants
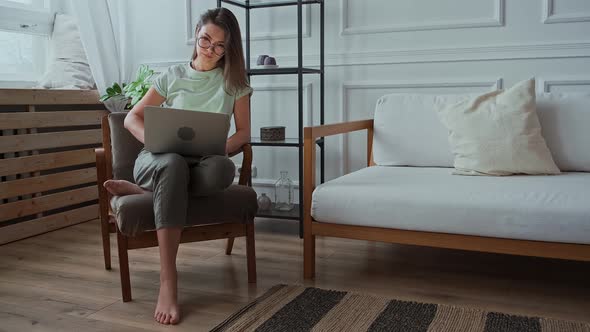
172 178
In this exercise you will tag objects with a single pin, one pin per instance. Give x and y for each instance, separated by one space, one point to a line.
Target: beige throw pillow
68 67
498 133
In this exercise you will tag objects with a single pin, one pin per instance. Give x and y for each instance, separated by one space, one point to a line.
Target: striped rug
297 308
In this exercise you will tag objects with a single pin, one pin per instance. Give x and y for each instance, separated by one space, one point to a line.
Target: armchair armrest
101 164
246 168
337 128
310 134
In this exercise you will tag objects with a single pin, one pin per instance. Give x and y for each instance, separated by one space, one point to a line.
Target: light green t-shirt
186 88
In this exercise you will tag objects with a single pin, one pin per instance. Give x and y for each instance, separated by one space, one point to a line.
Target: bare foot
167 310
122 188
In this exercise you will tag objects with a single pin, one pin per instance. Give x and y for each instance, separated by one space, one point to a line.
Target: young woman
213 81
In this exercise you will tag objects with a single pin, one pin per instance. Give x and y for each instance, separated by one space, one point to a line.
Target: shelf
293 68
256 141
268 3
293 214
283 71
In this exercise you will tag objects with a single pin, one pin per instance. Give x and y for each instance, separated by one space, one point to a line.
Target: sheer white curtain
103 35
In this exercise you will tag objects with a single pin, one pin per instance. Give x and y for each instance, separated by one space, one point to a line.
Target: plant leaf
135 90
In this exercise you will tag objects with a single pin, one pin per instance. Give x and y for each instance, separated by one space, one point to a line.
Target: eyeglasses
205 43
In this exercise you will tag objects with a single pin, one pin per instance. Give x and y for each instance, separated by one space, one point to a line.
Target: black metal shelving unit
297 212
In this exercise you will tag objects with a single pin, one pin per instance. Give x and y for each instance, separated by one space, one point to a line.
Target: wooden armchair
229 214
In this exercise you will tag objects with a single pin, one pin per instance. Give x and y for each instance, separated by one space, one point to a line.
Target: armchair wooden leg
230 246
103 198
124 267
106 243
308 255
251 252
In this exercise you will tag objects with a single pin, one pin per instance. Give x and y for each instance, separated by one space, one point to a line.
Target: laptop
188 133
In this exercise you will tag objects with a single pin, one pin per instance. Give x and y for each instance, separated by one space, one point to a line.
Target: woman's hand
134 120
242 121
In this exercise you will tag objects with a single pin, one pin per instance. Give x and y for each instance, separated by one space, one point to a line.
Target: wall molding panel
545 85
495 20
574 49
346 87
468 53
549 15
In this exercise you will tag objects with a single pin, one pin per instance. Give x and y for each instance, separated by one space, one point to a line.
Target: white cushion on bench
409 133
565 118
545 208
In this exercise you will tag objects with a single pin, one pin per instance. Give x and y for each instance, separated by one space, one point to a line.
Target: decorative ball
260 60
270 61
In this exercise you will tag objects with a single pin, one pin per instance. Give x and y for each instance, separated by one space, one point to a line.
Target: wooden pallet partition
47 161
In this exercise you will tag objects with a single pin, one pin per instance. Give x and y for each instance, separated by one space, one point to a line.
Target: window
24 3
25 27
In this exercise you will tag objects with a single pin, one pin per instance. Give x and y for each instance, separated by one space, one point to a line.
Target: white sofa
408 193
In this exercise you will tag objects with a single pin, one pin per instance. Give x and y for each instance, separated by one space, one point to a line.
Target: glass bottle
284 193
264 202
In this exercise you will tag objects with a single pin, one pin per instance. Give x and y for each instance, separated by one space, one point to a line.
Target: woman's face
210 44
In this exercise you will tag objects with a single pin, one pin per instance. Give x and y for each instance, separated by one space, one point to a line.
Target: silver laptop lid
185 132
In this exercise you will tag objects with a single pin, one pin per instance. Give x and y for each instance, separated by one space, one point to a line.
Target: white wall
374 47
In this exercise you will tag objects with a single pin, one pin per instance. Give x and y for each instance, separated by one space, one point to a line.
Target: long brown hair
232 62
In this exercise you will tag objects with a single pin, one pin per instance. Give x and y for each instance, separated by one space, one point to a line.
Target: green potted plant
121 97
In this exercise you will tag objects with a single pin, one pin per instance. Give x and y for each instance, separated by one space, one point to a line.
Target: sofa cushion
498 133
543 208
565 118
237 204
407 131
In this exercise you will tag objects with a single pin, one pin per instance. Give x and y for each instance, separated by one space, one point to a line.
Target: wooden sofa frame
313 228
149 239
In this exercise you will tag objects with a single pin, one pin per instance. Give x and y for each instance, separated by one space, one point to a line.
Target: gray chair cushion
125 148
237 204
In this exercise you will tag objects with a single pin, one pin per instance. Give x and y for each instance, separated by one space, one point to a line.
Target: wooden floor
57 282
